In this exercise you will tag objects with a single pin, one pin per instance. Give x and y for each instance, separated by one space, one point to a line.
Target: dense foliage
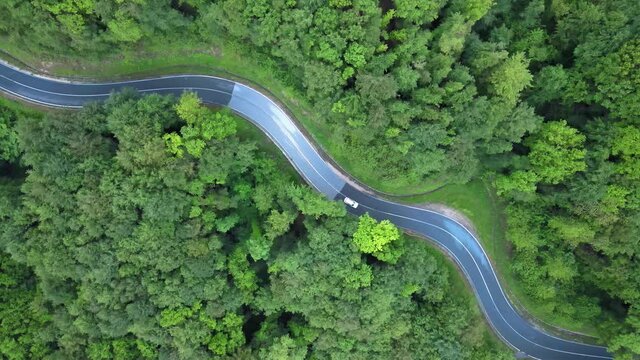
389 82
573 185
143 246
541 96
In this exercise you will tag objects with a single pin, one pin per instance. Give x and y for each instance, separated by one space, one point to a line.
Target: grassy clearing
474 200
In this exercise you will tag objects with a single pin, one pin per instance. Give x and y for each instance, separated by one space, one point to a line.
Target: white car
351 202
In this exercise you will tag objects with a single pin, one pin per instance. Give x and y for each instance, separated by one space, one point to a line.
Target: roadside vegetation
540 97
224 254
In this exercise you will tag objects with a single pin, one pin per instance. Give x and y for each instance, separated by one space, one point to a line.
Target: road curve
259 109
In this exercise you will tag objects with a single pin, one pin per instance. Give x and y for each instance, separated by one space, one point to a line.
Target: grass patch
21 107
475 201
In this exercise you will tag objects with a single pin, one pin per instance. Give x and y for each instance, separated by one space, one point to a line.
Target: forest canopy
541 98
128 246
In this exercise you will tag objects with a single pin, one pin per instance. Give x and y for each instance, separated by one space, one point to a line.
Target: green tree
511 77
523 181
278 223
124 28
627 146
381 239
202 126
284 348
244 277
228 335
557 152
9 147
618 81
24 322
474 9
625 346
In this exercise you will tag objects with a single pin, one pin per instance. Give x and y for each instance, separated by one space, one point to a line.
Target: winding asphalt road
256 107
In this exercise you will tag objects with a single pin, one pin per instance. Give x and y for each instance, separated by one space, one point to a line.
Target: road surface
258 108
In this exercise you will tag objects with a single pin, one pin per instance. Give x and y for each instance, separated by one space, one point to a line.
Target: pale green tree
557 151
627 146
511 77
381 239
